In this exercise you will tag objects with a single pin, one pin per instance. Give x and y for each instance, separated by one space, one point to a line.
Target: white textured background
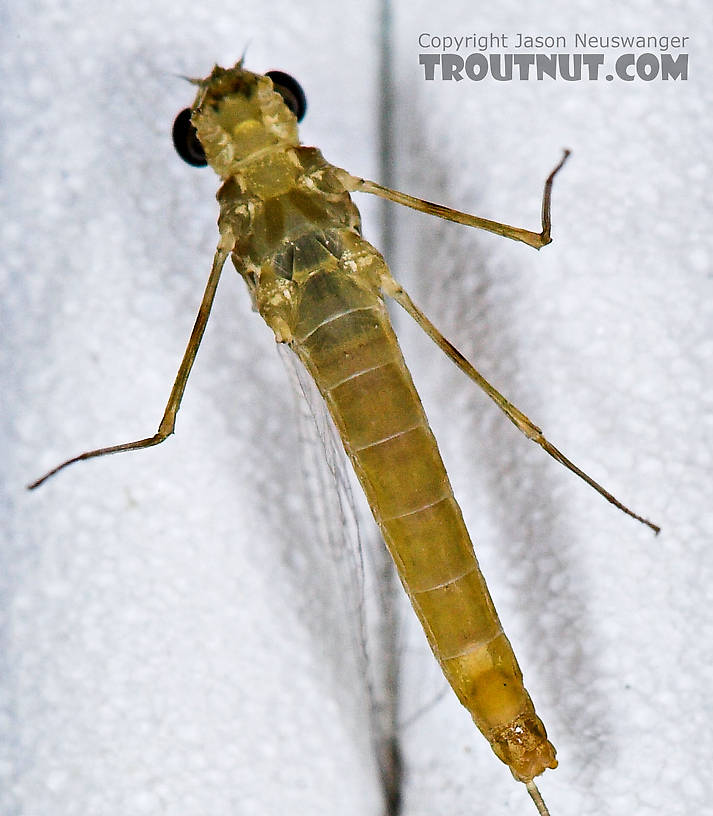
156 655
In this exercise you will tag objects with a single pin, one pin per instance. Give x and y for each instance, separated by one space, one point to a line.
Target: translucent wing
339 553
365 580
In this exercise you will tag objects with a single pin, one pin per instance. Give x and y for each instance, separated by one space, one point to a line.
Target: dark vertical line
389 748
386 122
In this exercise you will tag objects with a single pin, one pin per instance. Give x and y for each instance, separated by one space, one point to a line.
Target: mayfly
288 223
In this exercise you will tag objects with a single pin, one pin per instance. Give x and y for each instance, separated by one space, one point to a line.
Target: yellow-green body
294 234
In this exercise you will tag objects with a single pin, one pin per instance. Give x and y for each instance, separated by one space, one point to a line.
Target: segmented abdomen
343 335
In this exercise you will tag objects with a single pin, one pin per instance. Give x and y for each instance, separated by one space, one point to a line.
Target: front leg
168 421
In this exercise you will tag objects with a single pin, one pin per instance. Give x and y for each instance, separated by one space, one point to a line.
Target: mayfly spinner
289 224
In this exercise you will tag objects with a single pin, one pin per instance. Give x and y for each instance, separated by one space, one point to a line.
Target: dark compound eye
291 91
186 141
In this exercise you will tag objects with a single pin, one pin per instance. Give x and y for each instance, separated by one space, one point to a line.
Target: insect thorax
286 214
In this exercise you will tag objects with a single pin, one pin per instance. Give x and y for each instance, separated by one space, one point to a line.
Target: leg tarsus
149 442
547 199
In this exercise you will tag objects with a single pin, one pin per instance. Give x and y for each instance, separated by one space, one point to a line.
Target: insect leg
533 239
168 422
516 416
